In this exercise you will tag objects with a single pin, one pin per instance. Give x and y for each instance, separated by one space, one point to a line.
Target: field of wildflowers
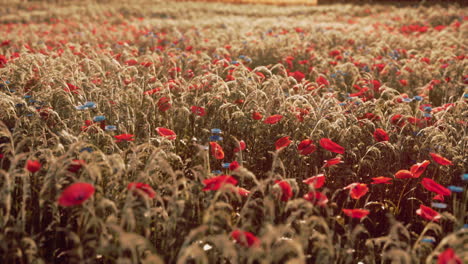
156 132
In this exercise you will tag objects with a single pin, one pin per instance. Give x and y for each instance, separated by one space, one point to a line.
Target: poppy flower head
273 119
33 166
357 190
215 183
216 150
124 137
76 165
380 135
306 147
322 81
197 110
245 238
404 174
433 186
256 116
398 120
76 194
298 75
241 146
167 133
419 168
448 257
315 181
356 213
141 188
243 192
234 165
438 197
440 160
381 180
428 213
329 145
286 190
316 198
331 162
164 104
282 142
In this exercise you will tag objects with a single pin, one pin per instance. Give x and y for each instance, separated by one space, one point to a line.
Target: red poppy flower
167 133
33 166
403 82
448 257
329 145
245 238
216 150
376 85
357 190
433 186
3 61
331 162
164 104
234 165
243 192
131 62
404 174
273 119
419 168
380 135
356 213
322 81
76 165
215 183
71 88
438 197
298 75
286 190
441 160
241 146
315 181
141 188
282 142
397 120
306 147
428 213
76 194
316 198
124 137
381 180
200 111
152 91
256 116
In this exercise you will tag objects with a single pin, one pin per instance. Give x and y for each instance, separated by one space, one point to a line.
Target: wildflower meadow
153 131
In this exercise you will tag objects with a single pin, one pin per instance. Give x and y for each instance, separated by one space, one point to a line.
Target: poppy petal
329 145
428 213
440 160
282 142
76 194
433 186
167 133
356 213
315 181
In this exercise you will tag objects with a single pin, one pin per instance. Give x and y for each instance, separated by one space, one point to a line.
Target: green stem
397 211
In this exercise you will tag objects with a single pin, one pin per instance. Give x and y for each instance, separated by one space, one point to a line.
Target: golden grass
234 60
265 2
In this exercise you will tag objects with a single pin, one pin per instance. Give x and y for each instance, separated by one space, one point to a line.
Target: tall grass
89 46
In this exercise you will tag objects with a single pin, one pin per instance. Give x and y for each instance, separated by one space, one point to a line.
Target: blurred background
276 2
322 2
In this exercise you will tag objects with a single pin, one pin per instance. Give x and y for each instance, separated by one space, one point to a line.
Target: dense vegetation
206 133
